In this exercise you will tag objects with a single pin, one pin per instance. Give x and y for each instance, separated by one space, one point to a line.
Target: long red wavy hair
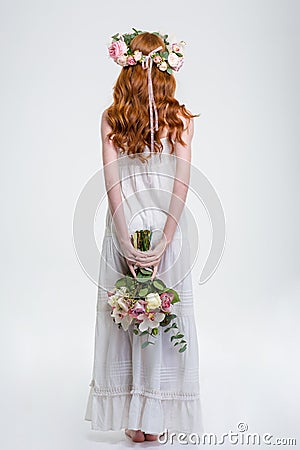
128 115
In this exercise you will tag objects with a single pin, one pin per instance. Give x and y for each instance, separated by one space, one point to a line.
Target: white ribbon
147 64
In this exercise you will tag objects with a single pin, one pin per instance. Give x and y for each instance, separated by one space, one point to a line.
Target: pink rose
131 60
175 61
166 299
179 64
117 48
157 59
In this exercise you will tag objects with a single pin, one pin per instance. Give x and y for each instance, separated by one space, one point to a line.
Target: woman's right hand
132 255
152 258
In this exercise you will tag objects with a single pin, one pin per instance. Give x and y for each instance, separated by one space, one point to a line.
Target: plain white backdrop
241 74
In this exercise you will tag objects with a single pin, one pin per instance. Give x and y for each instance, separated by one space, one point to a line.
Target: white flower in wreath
122 60
173 59
163 66
178 47
137 55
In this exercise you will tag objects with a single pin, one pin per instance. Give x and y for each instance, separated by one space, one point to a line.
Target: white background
241 73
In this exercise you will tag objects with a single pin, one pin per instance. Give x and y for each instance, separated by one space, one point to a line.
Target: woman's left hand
152 258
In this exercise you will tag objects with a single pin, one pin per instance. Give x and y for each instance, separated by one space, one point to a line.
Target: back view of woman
146 150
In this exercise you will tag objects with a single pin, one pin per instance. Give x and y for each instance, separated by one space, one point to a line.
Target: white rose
122 60
137 55
153 300
173 59
163 66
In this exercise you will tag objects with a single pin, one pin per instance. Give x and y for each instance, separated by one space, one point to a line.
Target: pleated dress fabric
155 388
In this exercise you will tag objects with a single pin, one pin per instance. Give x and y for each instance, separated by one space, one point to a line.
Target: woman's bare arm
181 183
177 202
113 189
112 182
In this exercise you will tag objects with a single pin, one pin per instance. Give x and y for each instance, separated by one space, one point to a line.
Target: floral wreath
167 61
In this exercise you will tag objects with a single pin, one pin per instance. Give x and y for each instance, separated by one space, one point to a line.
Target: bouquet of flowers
144 303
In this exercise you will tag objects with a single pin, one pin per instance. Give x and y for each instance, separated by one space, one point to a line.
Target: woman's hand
152 258
131 254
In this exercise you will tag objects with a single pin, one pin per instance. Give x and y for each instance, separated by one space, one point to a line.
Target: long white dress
155 388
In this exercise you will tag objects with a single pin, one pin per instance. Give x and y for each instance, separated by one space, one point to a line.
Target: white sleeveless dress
157 387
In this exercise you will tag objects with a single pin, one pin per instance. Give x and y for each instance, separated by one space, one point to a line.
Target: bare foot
135 435
151 437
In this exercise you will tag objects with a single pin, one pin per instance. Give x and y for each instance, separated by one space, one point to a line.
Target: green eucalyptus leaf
121 282
146 271
146 343
144 332
176 298
159 284
172 316
143 292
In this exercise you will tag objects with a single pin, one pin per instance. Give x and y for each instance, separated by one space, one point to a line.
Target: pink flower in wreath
117 48
131 60
166 299
157 59
175 61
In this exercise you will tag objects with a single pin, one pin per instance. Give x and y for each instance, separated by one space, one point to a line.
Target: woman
146 149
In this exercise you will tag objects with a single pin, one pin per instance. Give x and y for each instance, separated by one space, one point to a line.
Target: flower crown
170 59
